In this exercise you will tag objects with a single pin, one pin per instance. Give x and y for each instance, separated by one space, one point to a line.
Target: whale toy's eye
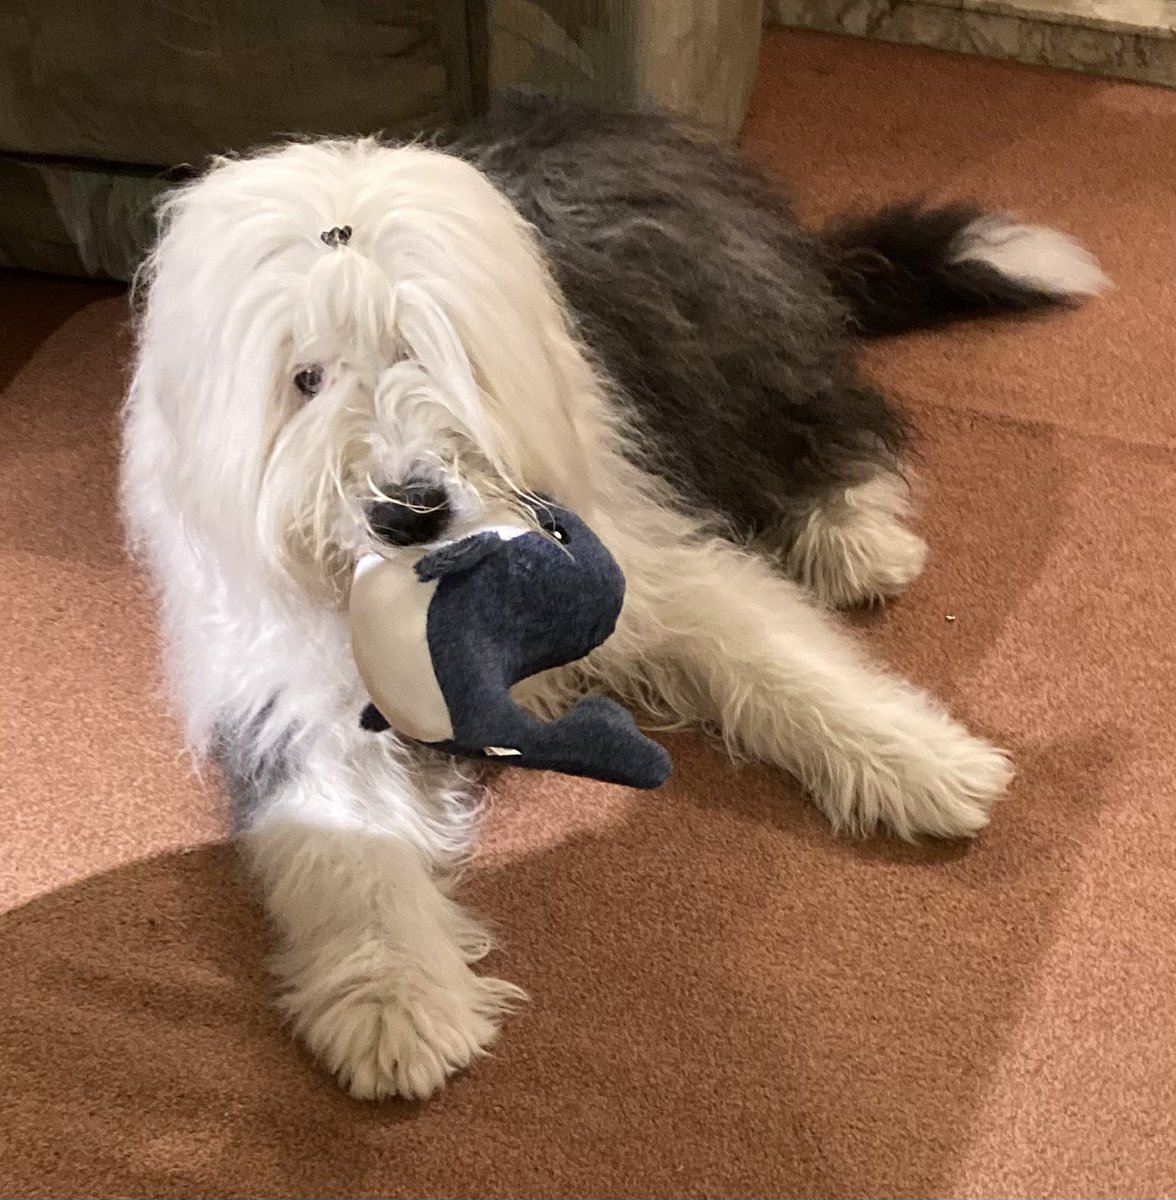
549 525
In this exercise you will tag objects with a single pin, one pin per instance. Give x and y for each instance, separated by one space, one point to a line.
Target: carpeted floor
727 999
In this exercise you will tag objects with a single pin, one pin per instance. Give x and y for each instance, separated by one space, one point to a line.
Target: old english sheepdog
346 343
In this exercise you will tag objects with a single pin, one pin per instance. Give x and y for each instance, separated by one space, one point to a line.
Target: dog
345 343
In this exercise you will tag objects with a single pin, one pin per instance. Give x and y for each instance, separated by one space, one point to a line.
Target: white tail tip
1033 255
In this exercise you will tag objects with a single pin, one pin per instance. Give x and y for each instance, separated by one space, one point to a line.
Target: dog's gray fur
254 768
729 331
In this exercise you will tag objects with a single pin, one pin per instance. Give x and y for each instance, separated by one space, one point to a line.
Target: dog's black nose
413 514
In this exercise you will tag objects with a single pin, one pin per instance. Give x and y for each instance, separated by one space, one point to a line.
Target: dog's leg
854 547
374 958
717 636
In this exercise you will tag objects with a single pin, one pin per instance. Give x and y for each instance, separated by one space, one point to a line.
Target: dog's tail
912 267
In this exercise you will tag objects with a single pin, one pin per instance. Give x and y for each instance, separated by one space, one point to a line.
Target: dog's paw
389 1029
857 550
876 568
948 789
926 776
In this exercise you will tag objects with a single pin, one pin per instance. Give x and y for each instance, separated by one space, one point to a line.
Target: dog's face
346 342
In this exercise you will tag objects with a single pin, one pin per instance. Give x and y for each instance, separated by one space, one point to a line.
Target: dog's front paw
925 775
387 1028
948 788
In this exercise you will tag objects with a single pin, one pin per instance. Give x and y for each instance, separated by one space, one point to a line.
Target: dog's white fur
448 353
857 548
1034 255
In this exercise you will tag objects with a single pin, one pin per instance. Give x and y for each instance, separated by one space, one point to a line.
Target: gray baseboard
1126 39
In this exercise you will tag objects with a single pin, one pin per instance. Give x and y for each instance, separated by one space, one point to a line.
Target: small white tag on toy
500 752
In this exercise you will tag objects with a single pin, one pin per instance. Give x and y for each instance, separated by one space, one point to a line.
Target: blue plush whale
440 638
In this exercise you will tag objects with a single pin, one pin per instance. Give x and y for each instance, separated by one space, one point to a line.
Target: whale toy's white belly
389 639
389 614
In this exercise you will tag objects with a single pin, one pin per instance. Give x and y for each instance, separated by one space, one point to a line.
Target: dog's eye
309 380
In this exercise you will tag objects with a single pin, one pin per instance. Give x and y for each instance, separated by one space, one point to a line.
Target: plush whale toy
440 636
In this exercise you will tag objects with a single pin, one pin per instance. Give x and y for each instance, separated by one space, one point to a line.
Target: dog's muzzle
413 514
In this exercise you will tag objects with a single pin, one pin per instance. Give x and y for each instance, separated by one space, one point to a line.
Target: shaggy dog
349 343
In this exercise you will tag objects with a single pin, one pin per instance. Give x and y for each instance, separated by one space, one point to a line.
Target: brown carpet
727 999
